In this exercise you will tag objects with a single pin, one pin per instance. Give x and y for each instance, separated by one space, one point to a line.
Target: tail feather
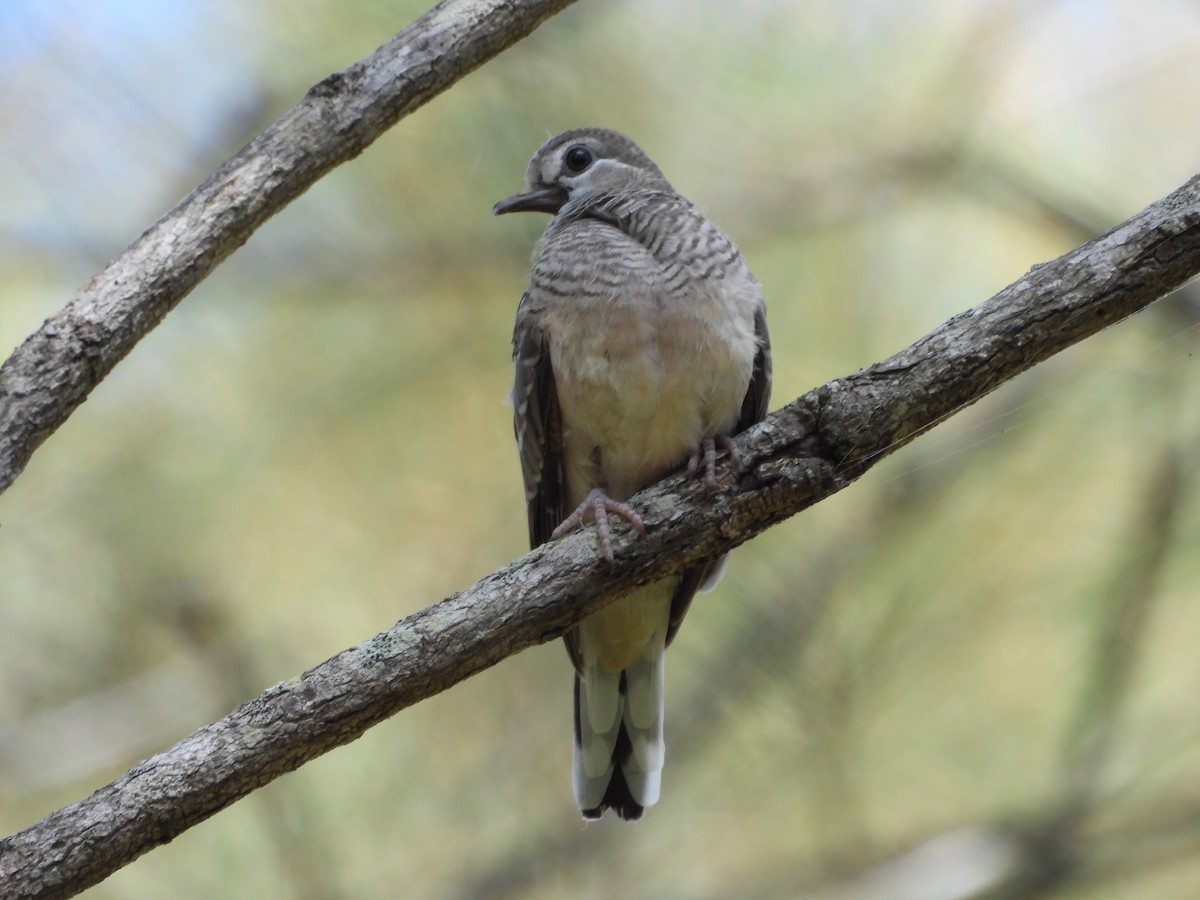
643 716
594 756
644 691
619 767
617 793
602 699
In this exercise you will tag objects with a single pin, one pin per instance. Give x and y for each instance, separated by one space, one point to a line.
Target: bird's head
579 162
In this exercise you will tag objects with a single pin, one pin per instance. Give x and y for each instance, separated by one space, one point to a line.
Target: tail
619 745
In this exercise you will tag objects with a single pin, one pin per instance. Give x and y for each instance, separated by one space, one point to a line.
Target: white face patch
600 174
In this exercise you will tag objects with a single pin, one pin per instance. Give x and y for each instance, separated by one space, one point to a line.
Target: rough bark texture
49 375
806 451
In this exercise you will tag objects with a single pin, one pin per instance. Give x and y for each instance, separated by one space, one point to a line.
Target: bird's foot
705 458
600 505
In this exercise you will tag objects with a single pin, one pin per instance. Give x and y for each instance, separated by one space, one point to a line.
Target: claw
706 457
600 506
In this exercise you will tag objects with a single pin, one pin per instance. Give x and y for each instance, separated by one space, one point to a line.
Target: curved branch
48 376
813 447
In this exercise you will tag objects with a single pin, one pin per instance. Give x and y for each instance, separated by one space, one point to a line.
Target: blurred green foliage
985 648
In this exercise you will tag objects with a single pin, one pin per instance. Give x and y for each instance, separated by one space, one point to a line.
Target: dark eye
577 159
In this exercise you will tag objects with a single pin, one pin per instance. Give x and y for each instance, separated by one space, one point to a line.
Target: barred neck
640 212
668 225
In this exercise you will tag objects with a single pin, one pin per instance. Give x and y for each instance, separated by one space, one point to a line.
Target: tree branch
48 376
810 449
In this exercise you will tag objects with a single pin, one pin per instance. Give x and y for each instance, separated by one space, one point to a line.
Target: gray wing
754 409
758 395
537 422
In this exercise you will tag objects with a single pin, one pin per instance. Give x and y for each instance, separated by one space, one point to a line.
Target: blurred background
974 673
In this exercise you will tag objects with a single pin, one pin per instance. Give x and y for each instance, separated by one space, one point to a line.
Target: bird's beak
544 198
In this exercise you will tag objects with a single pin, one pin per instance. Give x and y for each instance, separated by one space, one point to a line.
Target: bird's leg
705 458
599 504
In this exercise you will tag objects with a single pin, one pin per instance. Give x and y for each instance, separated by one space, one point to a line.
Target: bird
640 348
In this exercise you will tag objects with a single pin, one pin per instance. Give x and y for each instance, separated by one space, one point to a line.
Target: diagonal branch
810 449
49 375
